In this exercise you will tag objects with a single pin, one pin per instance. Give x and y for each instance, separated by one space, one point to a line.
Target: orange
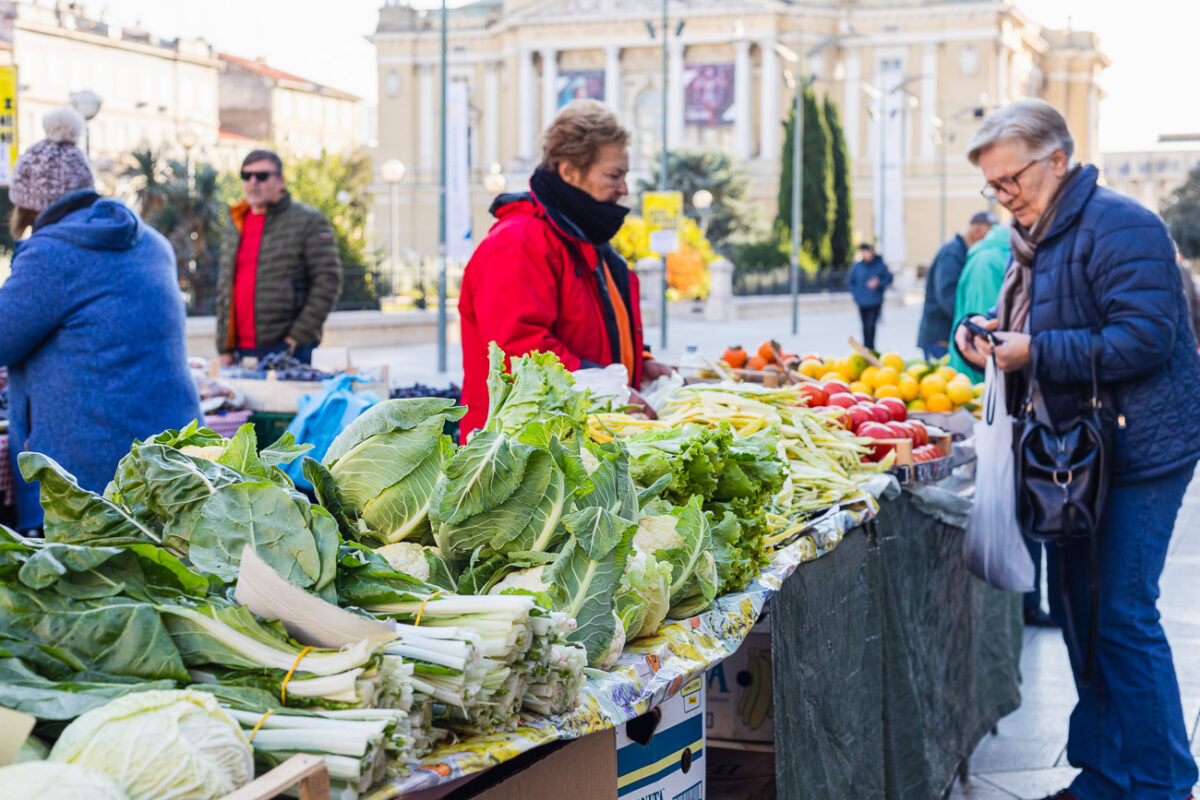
888 391
868 376
948 373
939 402
811 367
893 360
909 387
960 392
931 385
860 386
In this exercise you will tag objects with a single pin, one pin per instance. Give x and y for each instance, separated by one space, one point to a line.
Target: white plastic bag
993 548
611 383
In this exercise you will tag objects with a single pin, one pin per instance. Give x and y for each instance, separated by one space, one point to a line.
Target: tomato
816 395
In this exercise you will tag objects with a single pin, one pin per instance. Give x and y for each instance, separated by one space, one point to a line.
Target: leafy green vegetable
481 475
693 570
692 455
644 595
537 388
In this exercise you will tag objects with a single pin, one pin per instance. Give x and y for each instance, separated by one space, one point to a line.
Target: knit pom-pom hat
54 166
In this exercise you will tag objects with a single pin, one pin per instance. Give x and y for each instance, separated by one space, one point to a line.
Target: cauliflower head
616 645
657 533
528 579
408 557
211 452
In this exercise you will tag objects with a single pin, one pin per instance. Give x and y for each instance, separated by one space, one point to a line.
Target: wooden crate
283 397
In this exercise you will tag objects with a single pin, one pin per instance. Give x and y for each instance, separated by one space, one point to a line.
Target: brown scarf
1016 293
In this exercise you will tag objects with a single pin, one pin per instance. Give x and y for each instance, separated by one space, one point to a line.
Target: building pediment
554 11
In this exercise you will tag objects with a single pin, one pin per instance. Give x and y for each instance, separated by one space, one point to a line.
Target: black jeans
870 318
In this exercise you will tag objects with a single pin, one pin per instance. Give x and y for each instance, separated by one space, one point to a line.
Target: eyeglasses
1008 185
261 177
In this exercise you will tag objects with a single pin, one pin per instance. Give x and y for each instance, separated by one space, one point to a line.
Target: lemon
893 360
948 373
886 376
860 386
857 364
939 402
868 375
960 392
812 368
917 370
979 389
909 387
916 405
888 391
931 385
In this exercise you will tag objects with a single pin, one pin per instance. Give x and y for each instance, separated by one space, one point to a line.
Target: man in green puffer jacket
979 285
280 275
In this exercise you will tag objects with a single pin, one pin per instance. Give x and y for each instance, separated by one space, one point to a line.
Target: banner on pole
458 173
8 123
662 212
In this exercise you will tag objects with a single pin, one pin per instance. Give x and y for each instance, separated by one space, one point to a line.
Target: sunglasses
261 177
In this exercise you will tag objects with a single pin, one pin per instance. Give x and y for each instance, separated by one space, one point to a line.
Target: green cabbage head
50 780
161 745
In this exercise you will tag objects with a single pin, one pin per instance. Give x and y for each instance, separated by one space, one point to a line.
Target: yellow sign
662 212
8 123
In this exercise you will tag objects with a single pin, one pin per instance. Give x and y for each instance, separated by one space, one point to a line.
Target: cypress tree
816 188
841 244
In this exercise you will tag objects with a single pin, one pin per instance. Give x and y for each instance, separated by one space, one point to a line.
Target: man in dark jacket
869 278
941 284
280 275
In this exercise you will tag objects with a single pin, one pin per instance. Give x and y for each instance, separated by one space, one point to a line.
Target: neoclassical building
910 78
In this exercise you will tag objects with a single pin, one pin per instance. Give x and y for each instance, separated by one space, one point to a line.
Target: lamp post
188 138
87 105
494 182
392 172
702 201
442 214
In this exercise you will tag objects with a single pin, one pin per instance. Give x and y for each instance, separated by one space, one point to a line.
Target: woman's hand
975 349
653 370
636 399
1012 350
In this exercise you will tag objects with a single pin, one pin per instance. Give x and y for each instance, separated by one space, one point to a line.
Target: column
527 129
743 102
612 78
549 86
675 91
929 100
428 115
1001 74
491 114
769 120
852 102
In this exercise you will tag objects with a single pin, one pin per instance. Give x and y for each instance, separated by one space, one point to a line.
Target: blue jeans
1127 731
935 351
302 353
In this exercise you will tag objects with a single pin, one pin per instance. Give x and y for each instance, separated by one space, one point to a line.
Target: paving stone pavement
1026 758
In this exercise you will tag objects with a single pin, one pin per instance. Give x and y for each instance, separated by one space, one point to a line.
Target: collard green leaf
612 487
191 434
401 511
383 460
263 516
583 587
283 451
481 475
391 416
329 496
164 487
76 516
366 579
50 700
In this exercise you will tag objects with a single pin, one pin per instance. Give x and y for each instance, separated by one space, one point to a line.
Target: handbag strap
1033 393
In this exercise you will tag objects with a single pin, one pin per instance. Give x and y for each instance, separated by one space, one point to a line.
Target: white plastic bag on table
611 382
993 548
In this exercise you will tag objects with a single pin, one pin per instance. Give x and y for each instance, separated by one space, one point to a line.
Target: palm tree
192 217
148 178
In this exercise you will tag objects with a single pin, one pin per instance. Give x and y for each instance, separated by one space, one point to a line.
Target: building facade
264 104
150 89
909 76
1151 176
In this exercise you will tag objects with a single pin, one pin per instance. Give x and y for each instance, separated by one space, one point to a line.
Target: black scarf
598 221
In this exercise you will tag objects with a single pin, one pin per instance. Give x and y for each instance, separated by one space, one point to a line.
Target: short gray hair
1032 122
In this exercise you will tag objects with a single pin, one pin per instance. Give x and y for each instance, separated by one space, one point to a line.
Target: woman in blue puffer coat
1093 274
91 322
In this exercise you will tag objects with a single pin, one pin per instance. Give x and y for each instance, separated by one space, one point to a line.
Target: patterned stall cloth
6 478
227 424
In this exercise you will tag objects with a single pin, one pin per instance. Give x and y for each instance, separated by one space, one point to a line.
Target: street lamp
87 105
494 182
942 136
392 171
188 138
702 201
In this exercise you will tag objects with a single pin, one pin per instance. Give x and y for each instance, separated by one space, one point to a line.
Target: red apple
863 397
835 386
898 430
876 431
896 406
859 416
815 395
881 413
842 399
921 430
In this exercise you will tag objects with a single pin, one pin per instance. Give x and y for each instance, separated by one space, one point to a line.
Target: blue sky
1151 85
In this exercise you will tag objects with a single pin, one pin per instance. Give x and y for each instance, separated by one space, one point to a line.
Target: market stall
567 571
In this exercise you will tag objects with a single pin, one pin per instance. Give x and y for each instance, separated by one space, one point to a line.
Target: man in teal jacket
979 285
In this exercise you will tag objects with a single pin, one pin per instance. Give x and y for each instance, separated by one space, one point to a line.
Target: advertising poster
8 123
708 95
580 85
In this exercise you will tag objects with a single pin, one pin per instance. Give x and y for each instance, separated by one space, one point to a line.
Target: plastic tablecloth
651 669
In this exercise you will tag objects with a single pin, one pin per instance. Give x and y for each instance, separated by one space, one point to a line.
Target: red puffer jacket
525 290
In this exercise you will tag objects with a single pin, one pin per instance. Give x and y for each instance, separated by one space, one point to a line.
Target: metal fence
749 281
407 284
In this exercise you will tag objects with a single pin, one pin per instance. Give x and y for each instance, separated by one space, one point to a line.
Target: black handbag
1061 473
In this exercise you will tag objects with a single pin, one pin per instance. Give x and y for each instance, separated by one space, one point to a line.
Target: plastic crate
270 425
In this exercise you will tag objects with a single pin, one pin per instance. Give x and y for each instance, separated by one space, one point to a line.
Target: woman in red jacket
545 277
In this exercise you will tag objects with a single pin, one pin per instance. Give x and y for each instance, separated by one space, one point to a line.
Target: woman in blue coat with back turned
1093 275
869 278
91 321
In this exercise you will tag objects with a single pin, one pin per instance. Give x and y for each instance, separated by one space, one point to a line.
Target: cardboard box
740 706
670 764
740 775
